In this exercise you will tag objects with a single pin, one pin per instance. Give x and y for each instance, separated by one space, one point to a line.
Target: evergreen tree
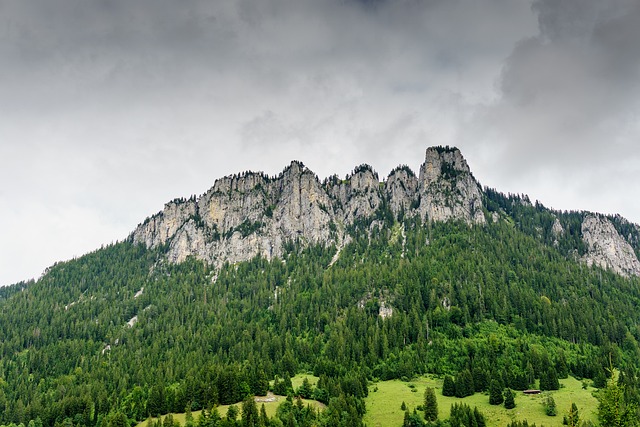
480 378
509 399
573 418
550 406
250 416
188 416
156 401
430 405
305 390
232 412
495 393
464 384
549 380
462 415
448 386
168 421
118 420
264 419
614 409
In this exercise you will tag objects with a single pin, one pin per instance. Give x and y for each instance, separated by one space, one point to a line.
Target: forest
119 335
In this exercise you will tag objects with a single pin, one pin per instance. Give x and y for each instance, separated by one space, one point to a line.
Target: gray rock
401 189
606 248
447 189
248 215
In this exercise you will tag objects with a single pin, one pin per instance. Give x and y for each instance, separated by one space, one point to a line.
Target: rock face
252 214
606 248
447 189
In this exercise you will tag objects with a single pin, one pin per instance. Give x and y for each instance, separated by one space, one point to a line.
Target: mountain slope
352 280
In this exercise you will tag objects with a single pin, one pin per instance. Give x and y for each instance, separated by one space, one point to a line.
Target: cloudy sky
110 108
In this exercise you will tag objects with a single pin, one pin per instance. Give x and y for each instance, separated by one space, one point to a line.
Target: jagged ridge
252 214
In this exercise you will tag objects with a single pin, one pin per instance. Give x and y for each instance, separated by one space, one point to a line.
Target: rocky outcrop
401 190
161 227
251 214
358 196
606 248
447 190
557 229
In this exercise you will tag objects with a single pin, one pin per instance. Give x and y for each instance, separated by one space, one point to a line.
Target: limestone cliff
447 189
607 248
251 214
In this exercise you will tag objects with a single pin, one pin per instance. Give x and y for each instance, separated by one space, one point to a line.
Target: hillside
353 280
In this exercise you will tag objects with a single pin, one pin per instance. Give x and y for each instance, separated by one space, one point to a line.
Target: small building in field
531 392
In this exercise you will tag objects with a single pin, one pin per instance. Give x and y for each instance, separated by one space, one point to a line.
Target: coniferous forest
120 334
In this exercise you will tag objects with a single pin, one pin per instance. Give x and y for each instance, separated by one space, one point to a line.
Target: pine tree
495 393
448 386
509 399
430 405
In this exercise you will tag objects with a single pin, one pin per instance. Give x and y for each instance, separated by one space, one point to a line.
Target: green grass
270 407
383 405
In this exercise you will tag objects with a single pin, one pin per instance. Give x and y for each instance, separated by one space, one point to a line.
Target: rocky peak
447 189
358 195
401 189
251 214
606 248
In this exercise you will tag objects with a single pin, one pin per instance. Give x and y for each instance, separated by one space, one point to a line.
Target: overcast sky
110 108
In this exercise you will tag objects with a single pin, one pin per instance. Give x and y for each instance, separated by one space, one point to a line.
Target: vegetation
483 308
430 404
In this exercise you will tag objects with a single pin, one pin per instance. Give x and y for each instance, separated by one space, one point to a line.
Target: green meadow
386 397
383 405
270 402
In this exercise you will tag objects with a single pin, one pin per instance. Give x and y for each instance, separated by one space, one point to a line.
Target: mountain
353 280
248 215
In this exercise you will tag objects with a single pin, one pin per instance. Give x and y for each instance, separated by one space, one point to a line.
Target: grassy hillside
270 402
386 397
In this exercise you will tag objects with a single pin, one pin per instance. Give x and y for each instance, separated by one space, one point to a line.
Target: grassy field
383 405
269 406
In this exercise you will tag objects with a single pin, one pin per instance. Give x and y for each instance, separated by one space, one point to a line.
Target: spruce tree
495 393
430 405
614 408
249 412
550 407
549 380
509 399
573 418
448 386
464 384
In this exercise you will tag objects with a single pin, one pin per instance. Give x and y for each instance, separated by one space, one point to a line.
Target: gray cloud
110 108
567 115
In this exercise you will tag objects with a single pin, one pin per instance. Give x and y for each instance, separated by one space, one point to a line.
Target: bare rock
447 189
401 189
606 248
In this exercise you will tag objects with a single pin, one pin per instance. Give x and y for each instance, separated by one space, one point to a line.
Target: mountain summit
252 214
